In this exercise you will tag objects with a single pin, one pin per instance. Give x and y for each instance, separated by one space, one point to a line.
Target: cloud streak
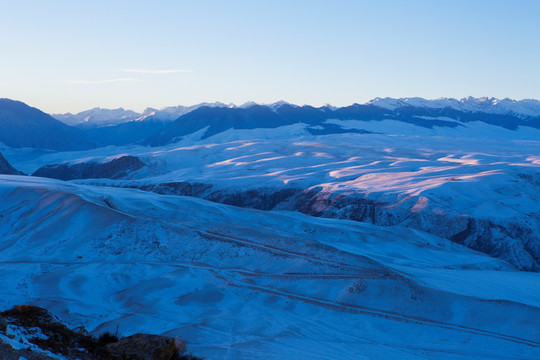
147 71
93 82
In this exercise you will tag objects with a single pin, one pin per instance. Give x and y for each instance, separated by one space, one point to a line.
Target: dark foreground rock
3 325
143 347
9 353
115 169
39 327
42 336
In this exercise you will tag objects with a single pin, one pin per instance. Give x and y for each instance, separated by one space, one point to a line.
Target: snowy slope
245 284
476 184
401 281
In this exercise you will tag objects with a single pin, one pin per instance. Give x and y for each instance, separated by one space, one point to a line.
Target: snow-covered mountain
158 127
98 117
215 120
289 231
527 107
174 112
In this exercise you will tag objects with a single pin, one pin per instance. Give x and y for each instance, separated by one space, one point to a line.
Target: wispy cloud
147 71
101 81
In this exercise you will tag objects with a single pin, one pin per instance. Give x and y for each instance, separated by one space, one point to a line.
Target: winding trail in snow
223 274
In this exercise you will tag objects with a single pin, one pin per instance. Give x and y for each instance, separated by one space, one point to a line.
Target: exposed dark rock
143 347
256 199
115 169
178 188
6 168
30 316
3 324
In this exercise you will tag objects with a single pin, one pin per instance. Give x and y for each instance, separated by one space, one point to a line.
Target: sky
70 56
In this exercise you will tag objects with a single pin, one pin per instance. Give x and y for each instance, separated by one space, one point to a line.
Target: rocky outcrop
260 199
143 347
6 168
43 335
115 169
41 330
3 325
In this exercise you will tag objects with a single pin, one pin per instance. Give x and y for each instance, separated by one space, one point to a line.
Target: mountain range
24 126
97 117
102 117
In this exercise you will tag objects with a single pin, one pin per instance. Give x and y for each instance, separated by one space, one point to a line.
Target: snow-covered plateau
247 284
395 241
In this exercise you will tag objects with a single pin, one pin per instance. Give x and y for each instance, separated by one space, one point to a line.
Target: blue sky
73 55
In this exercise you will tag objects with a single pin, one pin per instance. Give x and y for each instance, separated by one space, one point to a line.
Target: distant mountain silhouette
131 132
25 126
216 120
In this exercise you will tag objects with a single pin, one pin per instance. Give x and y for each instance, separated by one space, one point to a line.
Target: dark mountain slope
130 132
6 168
25 126
220 119
114 169
217 120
